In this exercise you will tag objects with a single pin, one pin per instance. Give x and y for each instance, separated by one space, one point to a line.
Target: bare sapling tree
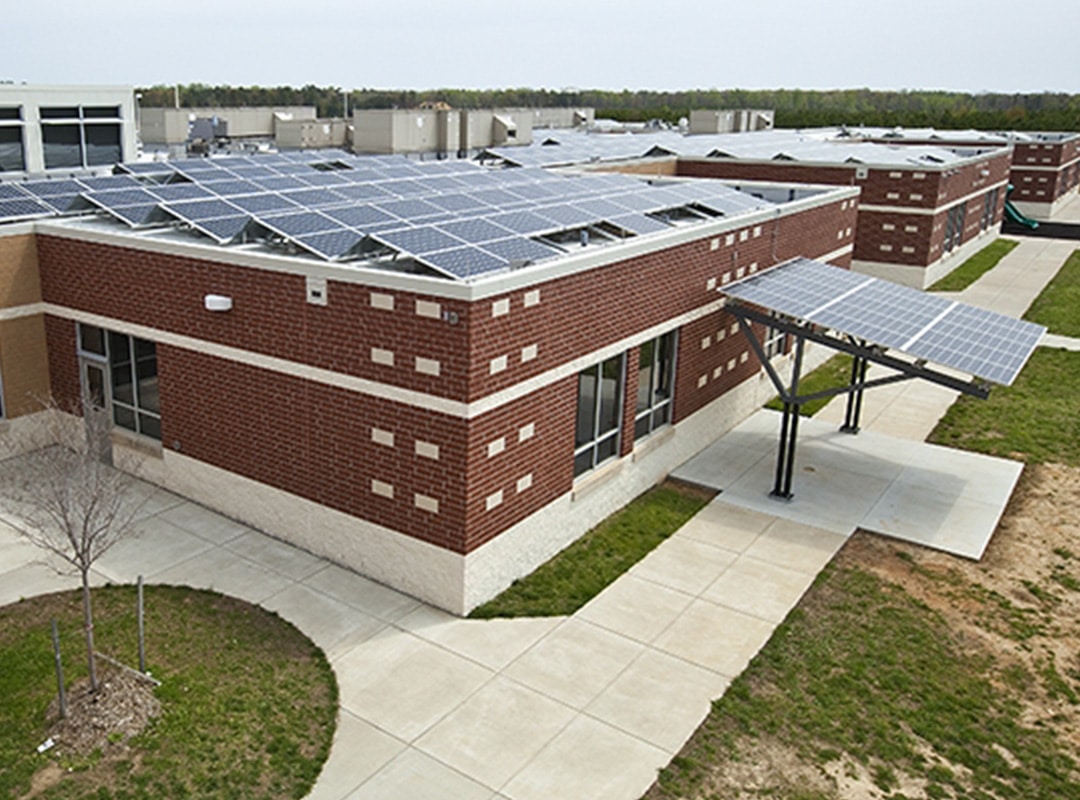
72 502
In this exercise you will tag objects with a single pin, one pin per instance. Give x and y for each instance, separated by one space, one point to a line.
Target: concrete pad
589 759
496 732
796 546
760 589
720 639
403 684
358 752
32 579
660 699
684 564
723 524
225 572
324 620
575 662
154 547
728 459
417 776
635 608
824 496
149 500
362 593
494 643
292 562
203 522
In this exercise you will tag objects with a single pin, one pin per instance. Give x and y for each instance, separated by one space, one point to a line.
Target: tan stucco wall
19 283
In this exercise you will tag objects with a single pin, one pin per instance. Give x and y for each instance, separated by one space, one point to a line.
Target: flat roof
819 146
454 220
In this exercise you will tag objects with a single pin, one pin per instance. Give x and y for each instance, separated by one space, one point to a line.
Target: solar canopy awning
878 321
987 345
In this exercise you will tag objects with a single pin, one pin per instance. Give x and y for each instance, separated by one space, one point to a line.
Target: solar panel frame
984 344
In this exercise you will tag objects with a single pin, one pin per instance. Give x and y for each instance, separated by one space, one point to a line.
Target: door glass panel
95 385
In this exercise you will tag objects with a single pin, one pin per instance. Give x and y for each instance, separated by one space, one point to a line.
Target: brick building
441 420
923 209
1045 169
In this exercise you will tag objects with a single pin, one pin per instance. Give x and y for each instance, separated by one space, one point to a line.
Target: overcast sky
962 45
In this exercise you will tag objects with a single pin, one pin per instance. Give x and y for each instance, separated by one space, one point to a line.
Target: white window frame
664 407
137 410
599 439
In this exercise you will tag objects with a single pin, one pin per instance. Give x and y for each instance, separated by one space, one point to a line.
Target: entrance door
96 403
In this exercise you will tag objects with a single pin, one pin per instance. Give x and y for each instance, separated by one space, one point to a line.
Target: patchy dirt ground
1020 604
99 722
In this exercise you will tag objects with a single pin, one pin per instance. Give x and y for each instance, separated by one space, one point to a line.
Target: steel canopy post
853 411
789 431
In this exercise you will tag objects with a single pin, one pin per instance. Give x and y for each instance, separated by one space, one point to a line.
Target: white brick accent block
426 308
383 301
427 450
427 366
382 489
494 500
497 365
425 503
384 357
497 446
382 437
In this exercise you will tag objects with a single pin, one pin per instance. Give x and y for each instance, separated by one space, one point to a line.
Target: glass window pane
11 112
583 462
144 349
607 448
149 396
59 112
662 415
610 391
123 390
61 146
586 409
644 391
119 348
101 112
102 145
11 149
150 426
641 427
124 417
92 340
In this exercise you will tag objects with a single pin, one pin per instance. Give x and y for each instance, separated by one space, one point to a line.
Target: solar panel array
561 148
988 345
455 217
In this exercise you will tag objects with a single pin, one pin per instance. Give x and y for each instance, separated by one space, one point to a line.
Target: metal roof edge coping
355 272
962 161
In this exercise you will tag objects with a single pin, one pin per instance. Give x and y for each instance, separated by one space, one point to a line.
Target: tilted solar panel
985 344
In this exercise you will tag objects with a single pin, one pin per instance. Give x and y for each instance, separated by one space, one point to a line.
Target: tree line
795 108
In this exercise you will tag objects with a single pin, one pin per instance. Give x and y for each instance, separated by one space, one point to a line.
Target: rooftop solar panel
232 186
202 209
280 183
178 191
222 229
985 344
639 223
523 222
465 262
566 215
54 187
299 223
360 217
264 201
363 192
520 248
425 239
332 244
459 203
315 198
475 231
9 191
27 207
410 209
134 215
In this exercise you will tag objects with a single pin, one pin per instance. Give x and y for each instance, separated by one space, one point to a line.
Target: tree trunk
88 622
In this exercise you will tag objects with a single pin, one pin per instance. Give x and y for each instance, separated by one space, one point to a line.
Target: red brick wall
270 313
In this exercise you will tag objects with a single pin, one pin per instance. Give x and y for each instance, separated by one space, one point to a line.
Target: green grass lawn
975 267
1058 305
248 703
1037 419
834 372
862 673
581 571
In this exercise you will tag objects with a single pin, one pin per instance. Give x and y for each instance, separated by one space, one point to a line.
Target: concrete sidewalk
433 706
